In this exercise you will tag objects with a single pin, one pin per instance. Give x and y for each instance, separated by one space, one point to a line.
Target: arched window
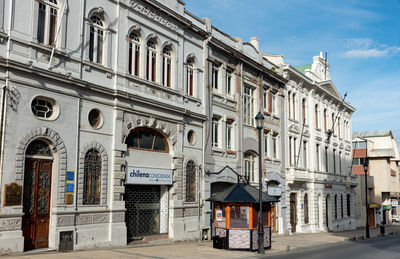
92 175
96 39
316 116
47 21
189 77
333 122
306 217
134 54
166 67
151 61
190 181
249 166
146 139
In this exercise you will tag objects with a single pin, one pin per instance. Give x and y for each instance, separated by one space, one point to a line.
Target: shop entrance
142 214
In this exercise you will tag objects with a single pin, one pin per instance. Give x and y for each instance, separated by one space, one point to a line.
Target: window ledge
97 66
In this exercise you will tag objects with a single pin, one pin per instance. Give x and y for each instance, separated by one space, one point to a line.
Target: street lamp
260 126
366 197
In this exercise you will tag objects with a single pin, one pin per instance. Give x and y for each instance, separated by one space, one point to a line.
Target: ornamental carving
152 15
65 221
118 217
7 224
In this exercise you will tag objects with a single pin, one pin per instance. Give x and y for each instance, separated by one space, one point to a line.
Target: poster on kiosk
154 176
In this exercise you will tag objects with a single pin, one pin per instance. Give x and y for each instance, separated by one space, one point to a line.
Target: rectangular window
303 110
41 22
294 152
229 134
316 116
266 143
340 162
215 132
348 205
215 77
265 102
317 159
275 146
359 145
334 161
290 152
239 217
248 106
137 53
305 154
273 104
229 90
249 167
358 161
326 159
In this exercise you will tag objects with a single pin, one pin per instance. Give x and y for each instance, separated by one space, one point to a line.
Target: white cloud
367 48
366 53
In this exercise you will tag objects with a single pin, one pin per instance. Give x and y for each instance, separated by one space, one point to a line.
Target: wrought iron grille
191 181
142 215
92 172
39 148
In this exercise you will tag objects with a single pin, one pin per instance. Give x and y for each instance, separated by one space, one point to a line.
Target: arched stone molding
276 177
104 170
132 121
193 57
153 37
102 14
135 28
58 147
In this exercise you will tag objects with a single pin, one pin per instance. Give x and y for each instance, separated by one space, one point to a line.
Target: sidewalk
166 249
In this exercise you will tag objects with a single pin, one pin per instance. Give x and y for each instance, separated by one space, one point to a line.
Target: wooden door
371 217
35 222
293 212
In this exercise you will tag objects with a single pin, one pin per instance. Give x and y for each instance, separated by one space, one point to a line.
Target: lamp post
366 162
260 126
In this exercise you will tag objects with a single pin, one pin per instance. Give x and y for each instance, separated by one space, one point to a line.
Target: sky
361 37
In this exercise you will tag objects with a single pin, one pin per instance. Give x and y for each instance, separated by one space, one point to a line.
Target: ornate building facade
320 187
120 118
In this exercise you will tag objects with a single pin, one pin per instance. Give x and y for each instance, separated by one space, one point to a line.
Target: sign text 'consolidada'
141 175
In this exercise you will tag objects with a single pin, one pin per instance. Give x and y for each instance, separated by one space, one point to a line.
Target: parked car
395 219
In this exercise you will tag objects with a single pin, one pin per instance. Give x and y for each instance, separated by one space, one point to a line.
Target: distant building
381 149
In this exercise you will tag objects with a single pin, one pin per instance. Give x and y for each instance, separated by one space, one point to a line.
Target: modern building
380 148
320 188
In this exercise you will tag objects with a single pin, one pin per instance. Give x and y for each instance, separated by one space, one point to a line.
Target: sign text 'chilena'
142 175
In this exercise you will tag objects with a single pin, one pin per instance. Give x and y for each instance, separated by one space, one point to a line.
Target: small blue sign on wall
70 187
70 175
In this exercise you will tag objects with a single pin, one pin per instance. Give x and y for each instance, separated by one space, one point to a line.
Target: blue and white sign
142 175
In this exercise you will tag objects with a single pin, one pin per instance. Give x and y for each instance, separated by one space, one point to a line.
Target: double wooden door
36 203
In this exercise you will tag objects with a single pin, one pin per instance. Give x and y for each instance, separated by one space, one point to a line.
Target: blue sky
362 39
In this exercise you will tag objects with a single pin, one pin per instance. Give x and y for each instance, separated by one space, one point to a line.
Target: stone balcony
297 175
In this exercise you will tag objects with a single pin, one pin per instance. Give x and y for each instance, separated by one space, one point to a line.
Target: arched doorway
146 187
36 198
328 212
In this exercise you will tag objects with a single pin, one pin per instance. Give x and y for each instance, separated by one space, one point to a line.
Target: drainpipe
3 128
78 120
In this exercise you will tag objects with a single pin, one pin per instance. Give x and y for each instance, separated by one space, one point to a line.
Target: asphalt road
376 248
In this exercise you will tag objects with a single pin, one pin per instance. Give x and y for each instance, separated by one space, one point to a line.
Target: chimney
254 42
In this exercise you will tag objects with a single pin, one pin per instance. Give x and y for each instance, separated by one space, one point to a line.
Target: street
382 247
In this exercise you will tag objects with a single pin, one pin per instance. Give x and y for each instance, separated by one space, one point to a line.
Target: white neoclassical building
102 117
320 188
120 118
